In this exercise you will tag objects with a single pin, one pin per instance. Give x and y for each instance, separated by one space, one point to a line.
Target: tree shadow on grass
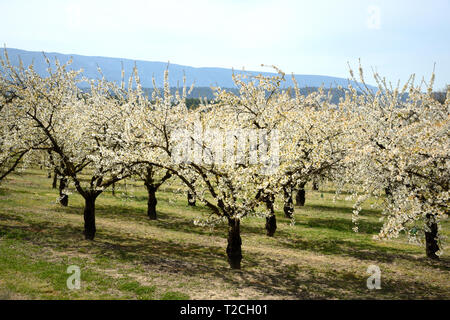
361 249
168 255
166 220
261 273
7 217
172 221
341 224
272 279
130 214
307 283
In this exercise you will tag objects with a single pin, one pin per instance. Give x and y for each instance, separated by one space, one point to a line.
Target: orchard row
392 144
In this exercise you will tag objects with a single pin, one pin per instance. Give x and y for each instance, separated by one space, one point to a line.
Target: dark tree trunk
113 189
191 198
271 221
89 217
151 204
300 197
271 225
431 243
234 251
151 191
288 207
55 180
63 198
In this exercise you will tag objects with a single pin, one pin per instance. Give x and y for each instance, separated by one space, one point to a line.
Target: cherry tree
229 183
82 130
147 135
401 156
258 106
199 146
312 134
314 143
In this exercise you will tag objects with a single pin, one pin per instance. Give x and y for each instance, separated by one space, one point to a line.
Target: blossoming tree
402 156
82 130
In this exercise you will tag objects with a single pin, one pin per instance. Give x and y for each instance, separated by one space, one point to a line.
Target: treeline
194 97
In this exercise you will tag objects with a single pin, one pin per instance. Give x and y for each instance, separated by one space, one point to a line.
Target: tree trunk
113 189
288 207
300 197
151 204
191 198
271 225
431 243
271 221
55 180
63 198
89 217
234 251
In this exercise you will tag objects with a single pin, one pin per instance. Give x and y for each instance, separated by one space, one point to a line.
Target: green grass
320 257
173 295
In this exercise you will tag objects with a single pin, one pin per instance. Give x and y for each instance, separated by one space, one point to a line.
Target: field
319 257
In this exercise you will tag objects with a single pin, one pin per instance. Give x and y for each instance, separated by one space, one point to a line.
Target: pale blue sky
306 37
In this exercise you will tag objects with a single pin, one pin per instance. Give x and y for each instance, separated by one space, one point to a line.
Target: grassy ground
320 257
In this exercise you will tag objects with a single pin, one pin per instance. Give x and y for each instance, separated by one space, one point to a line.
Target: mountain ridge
201 76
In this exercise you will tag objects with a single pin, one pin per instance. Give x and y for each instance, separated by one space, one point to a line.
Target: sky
320 37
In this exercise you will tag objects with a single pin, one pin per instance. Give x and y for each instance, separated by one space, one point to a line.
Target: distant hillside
208 93
111 68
